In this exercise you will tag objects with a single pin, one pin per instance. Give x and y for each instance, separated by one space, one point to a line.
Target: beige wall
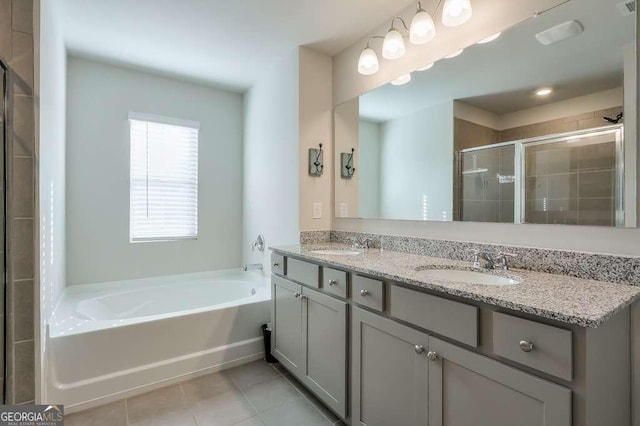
16 49
316 118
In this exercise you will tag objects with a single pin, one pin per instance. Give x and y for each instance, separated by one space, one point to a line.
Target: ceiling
502 76
221 42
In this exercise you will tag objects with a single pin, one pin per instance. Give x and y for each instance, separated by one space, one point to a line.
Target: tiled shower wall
16 49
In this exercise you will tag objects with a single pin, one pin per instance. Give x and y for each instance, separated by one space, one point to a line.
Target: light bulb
426 67
456 12
454 54
368 62
403 79
490 38
393 46
422 29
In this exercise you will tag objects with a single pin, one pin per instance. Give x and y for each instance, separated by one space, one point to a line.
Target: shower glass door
575 179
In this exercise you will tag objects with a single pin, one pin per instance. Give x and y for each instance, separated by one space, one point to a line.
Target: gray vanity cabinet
324 331
466 388
389 372
287 344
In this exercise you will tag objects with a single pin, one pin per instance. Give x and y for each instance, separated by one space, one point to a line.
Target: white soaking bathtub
111 340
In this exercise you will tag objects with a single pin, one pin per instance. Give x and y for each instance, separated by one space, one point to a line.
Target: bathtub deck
249 395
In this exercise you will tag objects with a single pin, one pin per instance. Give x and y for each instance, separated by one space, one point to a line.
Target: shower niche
575 178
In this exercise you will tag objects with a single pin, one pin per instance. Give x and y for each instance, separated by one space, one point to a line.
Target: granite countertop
583 302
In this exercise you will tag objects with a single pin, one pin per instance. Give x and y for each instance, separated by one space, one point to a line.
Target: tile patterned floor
255 394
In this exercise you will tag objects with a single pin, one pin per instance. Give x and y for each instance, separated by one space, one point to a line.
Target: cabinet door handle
364 293
276 265
526 346
296 294
303 297
333 282
433 356
419 349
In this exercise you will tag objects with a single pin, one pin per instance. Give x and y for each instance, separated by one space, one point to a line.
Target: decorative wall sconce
421 30
346 161
316 162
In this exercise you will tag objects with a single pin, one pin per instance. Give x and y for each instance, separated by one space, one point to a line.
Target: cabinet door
286 342
466 388
390 371
324 331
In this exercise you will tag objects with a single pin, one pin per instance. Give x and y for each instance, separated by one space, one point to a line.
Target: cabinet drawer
303 272
451 319
335 282
551 350
368 292
278 264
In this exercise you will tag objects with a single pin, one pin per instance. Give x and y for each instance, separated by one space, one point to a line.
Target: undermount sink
469 277
337 252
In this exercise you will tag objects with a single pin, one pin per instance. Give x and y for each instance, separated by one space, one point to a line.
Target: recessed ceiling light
426 67
454 54
403 79
490 38
544 91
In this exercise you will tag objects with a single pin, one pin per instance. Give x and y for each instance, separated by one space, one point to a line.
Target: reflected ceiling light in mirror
456 12
393 46
454 54
368 63
490 38
422 29
403 79
426 67
545 91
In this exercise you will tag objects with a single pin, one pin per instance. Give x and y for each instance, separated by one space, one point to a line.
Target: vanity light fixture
368 63
490 38
426 67
403 79
422 29
393 46
544 91
454 54
456 12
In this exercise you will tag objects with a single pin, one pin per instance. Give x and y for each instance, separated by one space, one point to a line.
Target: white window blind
164 178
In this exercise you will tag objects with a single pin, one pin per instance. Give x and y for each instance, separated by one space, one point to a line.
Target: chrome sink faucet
484 260
362 243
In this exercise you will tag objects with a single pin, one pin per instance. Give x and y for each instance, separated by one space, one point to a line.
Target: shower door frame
521 146
5 144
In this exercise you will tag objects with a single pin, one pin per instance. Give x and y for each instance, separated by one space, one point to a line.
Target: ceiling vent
627 8
560 32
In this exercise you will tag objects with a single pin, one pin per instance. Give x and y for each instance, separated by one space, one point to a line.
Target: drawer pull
433 356
419 349
333 282
276 265
364 293
526 346
296 294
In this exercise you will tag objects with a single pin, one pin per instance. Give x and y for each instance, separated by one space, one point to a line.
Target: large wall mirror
512 130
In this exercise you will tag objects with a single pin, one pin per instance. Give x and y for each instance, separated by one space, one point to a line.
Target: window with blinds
164 178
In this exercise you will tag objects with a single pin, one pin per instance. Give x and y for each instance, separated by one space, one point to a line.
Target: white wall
51 181
416 166
99 99
270 190
369 169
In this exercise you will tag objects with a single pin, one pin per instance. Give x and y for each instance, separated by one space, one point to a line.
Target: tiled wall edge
600 267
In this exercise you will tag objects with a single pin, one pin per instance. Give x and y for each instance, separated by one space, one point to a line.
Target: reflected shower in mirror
526 128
